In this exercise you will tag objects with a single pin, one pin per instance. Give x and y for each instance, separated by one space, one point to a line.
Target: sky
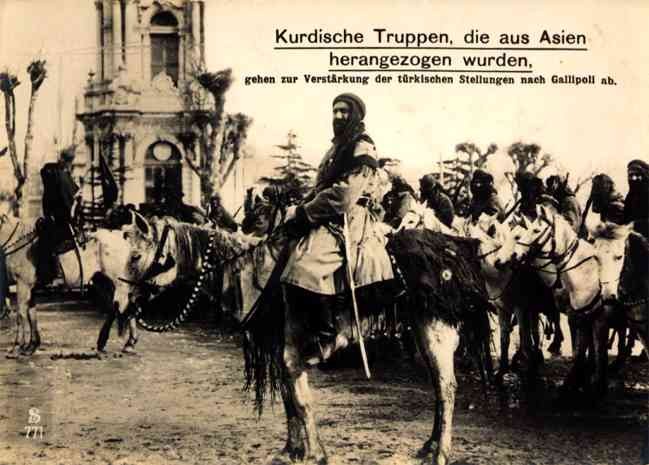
587 128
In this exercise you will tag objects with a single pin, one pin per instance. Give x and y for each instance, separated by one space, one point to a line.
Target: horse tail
475 333
263 346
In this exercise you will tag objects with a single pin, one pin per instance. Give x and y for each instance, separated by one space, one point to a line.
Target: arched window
164 45
162 173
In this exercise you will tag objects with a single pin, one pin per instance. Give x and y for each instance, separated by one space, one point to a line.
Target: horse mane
192 241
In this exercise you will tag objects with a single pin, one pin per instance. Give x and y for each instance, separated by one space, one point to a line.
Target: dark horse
634 285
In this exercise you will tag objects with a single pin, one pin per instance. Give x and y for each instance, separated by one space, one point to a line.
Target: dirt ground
180 401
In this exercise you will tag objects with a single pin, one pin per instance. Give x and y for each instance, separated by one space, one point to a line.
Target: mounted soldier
55 229
531 189
606 200
433 196
636 204
180 210
566 202
484 198
398 201
314 275
219 216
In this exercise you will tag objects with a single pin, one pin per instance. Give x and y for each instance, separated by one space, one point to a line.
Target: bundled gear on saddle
636 204
484 198
316 262
55 233
531 189
566 204
219 216
606 200
433 196
398 201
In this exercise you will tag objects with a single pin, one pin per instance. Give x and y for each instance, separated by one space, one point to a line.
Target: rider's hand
298 226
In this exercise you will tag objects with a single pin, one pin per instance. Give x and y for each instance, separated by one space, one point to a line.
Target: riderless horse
102 253
549 246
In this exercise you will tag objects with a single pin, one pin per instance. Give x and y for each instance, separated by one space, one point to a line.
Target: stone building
134 110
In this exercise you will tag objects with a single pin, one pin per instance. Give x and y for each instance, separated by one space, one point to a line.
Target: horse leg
35 335
104 333
129 347
505 323
575 376
19 339
600 349
303 441
440 341
555 347
432 443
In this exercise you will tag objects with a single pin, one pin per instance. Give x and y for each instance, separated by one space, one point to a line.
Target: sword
352 287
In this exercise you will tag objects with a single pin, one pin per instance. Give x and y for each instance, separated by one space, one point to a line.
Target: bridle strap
492 251
11 236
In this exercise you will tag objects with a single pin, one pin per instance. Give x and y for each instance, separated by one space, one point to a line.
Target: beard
339 126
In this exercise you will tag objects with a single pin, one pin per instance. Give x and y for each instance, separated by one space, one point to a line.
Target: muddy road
180 401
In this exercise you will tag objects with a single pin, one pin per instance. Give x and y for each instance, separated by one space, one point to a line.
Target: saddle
54 239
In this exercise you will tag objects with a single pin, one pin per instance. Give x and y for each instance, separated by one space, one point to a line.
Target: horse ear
142 224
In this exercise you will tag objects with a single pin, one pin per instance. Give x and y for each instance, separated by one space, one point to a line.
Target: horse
98 255
549 246
263 214
633 289
609 240
276 357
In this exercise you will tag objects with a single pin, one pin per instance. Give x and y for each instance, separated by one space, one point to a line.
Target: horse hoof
130 350
426 451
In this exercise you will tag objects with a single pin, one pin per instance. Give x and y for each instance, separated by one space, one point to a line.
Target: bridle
560 260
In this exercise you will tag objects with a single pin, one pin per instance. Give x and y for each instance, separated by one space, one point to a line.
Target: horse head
149 246
635 270
264 213
610 244
496 242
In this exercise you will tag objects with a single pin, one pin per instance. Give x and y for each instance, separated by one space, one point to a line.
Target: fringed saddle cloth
441 273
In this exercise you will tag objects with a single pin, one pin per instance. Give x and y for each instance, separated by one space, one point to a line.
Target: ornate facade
135 112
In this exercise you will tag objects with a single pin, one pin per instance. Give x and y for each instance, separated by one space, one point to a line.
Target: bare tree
220 137
527 157
8 82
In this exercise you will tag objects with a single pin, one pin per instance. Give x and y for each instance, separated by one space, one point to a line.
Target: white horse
610 242
550 246
18 240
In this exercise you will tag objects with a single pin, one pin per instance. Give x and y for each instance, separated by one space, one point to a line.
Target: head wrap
428 182
354 101
528 182
399 184
482 183
67 154
354 127
639 166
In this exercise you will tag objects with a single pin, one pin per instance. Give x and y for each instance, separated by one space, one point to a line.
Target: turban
67 154
639 166
483 177
527 181
354 101
428 181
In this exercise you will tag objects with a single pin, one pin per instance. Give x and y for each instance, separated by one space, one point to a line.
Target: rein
492 251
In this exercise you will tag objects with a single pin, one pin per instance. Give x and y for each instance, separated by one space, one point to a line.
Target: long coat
317 263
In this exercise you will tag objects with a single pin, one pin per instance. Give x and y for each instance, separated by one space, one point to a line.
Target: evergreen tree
294 177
